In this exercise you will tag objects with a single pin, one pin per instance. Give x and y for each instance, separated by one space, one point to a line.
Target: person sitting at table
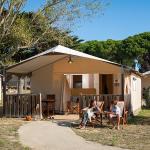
114 113
90 112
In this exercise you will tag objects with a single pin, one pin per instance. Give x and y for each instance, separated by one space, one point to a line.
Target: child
114 112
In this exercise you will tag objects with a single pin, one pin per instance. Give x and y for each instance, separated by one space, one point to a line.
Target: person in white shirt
89 112
115 113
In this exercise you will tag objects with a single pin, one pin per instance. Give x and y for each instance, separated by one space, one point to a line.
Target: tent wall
46 82
66 94
84 66
85 81
136 91
41 80
117 84
50 79
96 83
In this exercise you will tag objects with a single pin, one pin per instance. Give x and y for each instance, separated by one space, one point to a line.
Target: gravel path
45 135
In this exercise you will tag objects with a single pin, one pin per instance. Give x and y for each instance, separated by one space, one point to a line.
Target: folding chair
123 111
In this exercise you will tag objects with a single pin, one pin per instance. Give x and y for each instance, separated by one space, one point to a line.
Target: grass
136 135
8 134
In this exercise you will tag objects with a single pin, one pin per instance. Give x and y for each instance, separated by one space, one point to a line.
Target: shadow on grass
75 124
139 120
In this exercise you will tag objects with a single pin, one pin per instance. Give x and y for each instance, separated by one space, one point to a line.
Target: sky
120 19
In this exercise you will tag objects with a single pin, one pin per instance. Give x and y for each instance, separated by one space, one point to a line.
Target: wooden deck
106 98
20 105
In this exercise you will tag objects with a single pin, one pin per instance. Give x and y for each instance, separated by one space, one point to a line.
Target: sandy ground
48 135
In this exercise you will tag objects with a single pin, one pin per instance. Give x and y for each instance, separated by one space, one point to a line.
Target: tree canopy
123 51
22 31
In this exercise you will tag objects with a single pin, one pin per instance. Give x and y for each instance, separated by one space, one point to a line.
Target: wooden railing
107 98
20 105
127 100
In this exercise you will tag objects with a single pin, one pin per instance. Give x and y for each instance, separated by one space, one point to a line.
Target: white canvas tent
48 68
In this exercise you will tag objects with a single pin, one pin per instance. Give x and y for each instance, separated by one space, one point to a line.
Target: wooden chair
73 107
69 107
124 112
51 104
98 118
48 105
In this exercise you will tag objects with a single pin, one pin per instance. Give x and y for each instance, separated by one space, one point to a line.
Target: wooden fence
107 98
20 105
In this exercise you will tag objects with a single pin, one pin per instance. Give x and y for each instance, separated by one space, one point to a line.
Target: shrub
146 96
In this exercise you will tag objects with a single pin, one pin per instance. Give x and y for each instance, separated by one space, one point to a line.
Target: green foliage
99 48
25 34
124 51
146 96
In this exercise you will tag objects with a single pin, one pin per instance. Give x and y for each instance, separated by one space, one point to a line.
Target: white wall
45 81
41 81
85 81
91 80
96 83
135 93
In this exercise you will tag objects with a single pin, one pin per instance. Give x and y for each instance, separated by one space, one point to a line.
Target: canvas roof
146 73
50 56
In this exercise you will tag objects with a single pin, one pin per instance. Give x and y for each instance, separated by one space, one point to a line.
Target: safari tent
68 74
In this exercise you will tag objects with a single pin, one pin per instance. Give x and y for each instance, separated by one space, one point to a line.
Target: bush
146 96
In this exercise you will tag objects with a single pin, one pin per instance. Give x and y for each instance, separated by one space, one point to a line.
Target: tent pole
122 82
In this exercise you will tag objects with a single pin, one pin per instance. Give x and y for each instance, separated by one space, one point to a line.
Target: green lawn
8 134
136 135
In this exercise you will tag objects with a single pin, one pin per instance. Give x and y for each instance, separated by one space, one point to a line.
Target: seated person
90 112
114 112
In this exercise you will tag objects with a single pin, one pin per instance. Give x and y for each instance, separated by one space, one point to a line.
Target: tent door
105 84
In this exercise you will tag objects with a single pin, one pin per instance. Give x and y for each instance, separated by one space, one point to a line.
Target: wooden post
17 106
4 91
20 83
14 105
10 99
41 117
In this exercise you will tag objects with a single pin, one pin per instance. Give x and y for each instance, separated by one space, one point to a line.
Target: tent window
134 83
77 81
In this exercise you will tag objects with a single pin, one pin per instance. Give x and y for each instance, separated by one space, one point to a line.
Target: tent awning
49 57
